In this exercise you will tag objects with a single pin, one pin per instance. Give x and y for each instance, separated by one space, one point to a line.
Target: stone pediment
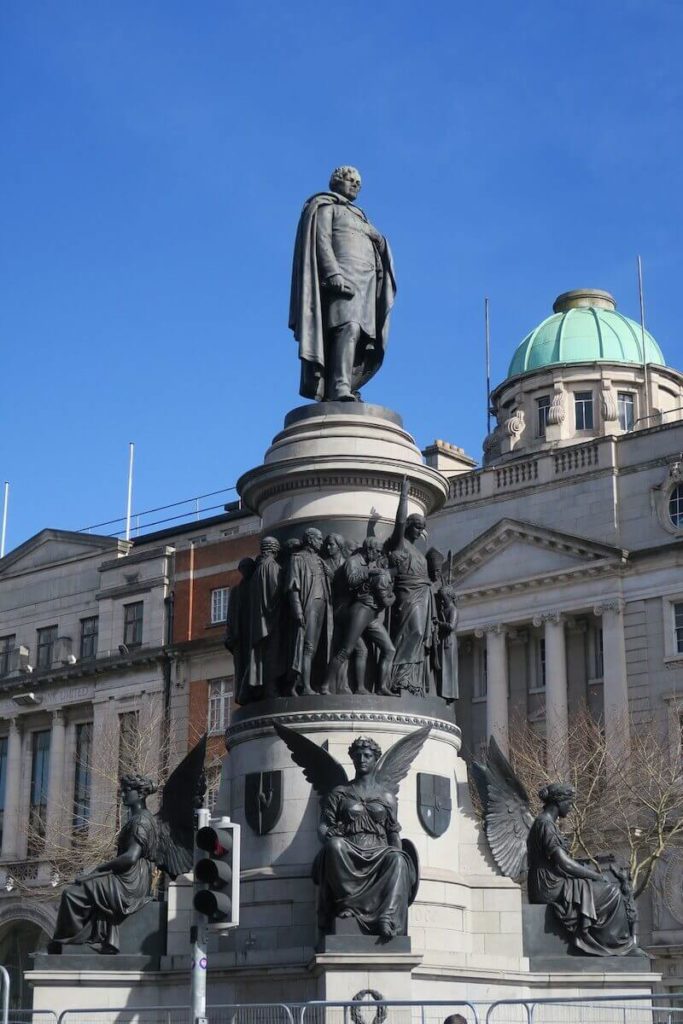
53 547
514 554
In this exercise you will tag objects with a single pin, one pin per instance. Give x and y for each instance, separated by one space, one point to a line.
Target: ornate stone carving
515 424
237 729
616 606
555 617
608 402
557 411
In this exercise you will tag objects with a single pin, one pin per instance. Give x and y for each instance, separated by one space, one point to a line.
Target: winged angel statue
363 870
597 910
93 907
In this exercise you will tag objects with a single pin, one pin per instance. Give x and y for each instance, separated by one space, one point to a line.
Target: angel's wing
320 769
507 814
175 818
394 763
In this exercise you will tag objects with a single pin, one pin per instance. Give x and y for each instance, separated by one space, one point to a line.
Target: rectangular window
481 674
219 604
542 408
625 405
40 775
132 624
47 638
539 682
678 627
82 778
220 696
599 659
89 628
583 409
6 647
3 781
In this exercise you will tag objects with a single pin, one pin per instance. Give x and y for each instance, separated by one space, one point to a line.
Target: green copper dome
584 328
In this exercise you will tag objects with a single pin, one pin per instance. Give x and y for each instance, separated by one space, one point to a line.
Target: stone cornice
587 571
338 717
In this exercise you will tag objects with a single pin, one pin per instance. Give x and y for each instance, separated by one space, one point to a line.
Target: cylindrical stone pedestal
338 465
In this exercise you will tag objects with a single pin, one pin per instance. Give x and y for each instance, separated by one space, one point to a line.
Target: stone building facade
568 555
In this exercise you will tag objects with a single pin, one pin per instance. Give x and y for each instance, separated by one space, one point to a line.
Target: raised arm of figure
398 535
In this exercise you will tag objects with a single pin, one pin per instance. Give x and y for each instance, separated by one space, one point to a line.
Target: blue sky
155 159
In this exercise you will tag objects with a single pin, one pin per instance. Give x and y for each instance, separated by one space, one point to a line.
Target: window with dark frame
132 624
599 657
82 778
89 629
481 674
40 777
676 506
542 409
678 626
7 644
625 405
583 410
3 781
46 640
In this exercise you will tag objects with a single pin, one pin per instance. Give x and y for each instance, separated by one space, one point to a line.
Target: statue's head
270 546
333 545
416 527
345 181
136 787
435 562
365 753
372 548
312 539
246 567
560 794
291 546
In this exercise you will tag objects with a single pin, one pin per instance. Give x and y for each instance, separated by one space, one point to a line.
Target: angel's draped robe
91 911
359 873
595 913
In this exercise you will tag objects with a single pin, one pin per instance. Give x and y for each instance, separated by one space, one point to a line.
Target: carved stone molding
556 618
616 606
608 402
557 411
339 717
515 424
495 627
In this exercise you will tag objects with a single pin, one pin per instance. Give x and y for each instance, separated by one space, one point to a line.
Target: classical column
556 704
10 831
614 681
496 684
56 798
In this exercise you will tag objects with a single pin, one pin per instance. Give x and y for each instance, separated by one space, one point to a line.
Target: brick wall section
225 553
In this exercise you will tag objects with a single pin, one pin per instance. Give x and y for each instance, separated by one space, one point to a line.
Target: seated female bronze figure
596 909
94 906
363 871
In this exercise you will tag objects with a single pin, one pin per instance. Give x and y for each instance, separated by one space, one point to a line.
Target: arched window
676 506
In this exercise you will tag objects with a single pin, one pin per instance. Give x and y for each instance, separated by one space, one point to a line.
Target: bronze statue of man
343 288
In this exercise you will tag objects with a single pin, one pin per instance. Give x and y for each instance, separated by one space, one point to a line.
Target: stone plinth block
341 462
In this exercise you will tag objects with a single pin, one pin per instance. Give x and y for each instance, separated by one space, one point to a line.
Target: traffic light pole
198 938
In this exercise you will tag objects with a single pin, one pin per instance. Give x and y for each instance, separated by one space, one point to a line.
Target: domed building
568 556
586 371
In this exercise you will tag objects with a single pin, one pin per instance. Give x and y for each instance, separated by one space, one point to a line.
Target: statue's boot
305 680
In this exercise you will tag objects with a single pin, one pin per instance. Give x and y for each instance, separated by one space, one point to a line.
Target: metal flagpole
131 455
642 339
5 503
487 338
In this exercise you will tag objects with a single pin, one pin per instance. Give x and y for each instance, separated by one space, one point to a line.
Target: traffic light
217 873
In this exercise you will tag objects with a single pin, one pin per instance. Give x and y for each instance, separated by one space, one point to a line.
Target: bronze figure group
317 616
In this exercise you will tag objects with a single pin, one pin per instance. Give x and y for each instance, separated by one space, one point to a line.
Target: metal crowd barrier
385 1012
612 1009
230 1013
